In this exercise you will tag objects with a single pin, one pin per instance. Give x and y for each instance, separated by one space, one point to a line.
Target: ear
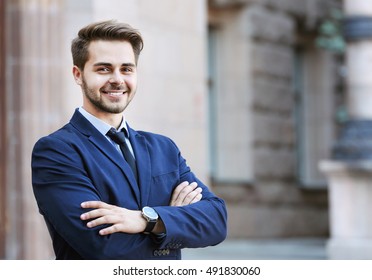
78 75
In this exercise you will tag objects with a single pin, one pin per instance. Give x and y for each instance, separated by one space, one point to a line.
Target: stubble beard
99 103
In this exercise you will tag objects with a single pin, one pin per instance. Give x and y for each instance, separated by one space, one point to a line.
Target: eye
127 69
103 70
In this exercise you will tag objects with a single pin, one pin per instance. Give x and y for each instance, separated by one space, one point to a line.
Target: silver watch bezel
150 214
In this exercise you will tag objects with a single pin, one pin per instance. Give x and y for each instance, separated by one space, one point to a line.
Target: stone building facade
238 84
275 101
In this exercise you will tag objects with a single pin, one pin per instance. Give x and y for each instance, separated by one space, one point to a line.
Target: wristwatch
151 217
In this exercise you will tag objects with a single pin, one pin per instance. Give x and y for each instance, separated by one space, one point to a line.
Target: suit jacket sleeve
65 173
61 183
197 225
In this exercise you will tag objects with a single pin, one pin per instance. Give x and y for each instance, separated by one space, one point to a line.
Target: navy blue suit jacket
77 163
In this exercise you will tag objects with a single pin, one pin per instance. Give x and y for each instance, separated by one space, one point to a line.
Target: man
106 199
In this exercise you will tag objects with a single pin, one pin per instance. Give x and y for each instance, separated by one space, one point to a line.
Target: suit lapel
95 137
110 151
143 164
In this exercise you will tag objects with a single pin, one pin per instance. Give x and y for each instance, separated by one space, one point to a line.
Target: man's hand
185 194
131 221
121 219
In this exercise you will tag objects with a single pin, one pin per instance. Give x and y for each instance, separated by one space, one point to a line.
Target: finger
96 222
187 190
191 196
181 196
94 204
197 198
184 193
110 230
177 191
108 219
94 214
105 219
179 188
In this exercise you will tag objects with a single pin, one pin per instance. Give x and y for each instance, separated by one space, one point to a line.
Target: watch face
149 212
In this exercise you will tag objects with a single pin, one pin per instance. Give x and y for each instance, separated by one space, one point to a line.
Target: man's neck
114 120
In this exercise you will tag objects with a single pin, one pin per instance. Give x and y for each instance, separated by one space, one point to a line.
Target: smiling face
108 80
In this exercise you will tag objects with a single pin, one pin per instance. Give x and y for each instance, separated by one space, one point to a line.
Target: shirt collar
99 124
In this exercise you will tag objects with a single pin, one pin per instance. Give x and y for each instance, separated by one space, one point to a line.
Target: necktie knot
117 136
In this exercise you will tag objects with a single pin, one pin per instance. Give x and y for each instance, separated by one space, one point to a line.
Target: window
229 97
314 87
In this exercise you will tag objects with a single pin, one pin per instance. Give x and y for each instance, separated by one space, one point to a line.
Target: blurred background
254 92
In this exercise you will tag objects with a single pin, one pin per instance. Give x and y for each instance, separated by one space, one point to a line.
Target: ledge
347 166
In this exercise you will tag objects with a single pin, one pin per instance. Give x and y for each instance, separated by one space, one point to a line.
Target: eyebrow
109 64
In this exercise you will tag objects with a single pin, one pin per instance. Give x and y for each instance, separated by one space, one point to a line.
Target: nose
116 78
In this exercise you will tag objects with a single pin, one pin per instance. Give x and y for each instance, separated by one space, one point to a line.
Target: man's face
109 78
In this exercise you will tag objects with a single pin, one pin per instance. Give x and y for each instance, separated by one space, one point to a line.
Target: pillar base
350 197
349 249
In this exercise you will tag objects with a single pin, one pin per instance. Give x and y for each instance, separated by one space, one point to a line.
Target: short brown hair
104 30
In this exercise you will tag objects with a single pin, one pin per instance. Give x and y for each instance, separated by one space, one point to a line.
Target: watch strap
150 226
150 215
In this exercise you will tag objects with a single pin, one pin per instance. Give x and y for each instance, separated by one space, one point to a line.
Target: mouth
114 93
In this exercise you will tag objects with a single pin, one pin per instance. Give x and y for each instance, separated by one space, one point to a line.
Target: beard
99 102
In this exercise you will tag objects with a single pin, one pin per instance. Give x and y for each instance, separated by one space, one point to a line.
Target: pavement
261 249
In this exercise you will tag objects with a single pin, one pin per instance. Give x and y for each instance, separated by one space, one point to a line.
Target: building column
33 97
3 141
349 171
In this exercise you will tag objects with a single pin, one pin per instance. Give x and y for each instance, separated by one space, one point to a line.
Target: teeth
115 93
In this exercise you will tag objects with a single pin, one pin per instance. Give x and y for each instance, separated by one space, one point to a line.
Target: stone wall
272 203
272 33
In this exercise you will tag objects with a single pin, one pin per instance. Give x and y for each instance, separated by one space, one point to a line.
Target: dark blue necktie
119 138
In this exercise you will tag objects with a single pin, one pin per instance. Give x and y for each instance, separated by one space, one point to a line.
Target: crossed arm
131 221
61 183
